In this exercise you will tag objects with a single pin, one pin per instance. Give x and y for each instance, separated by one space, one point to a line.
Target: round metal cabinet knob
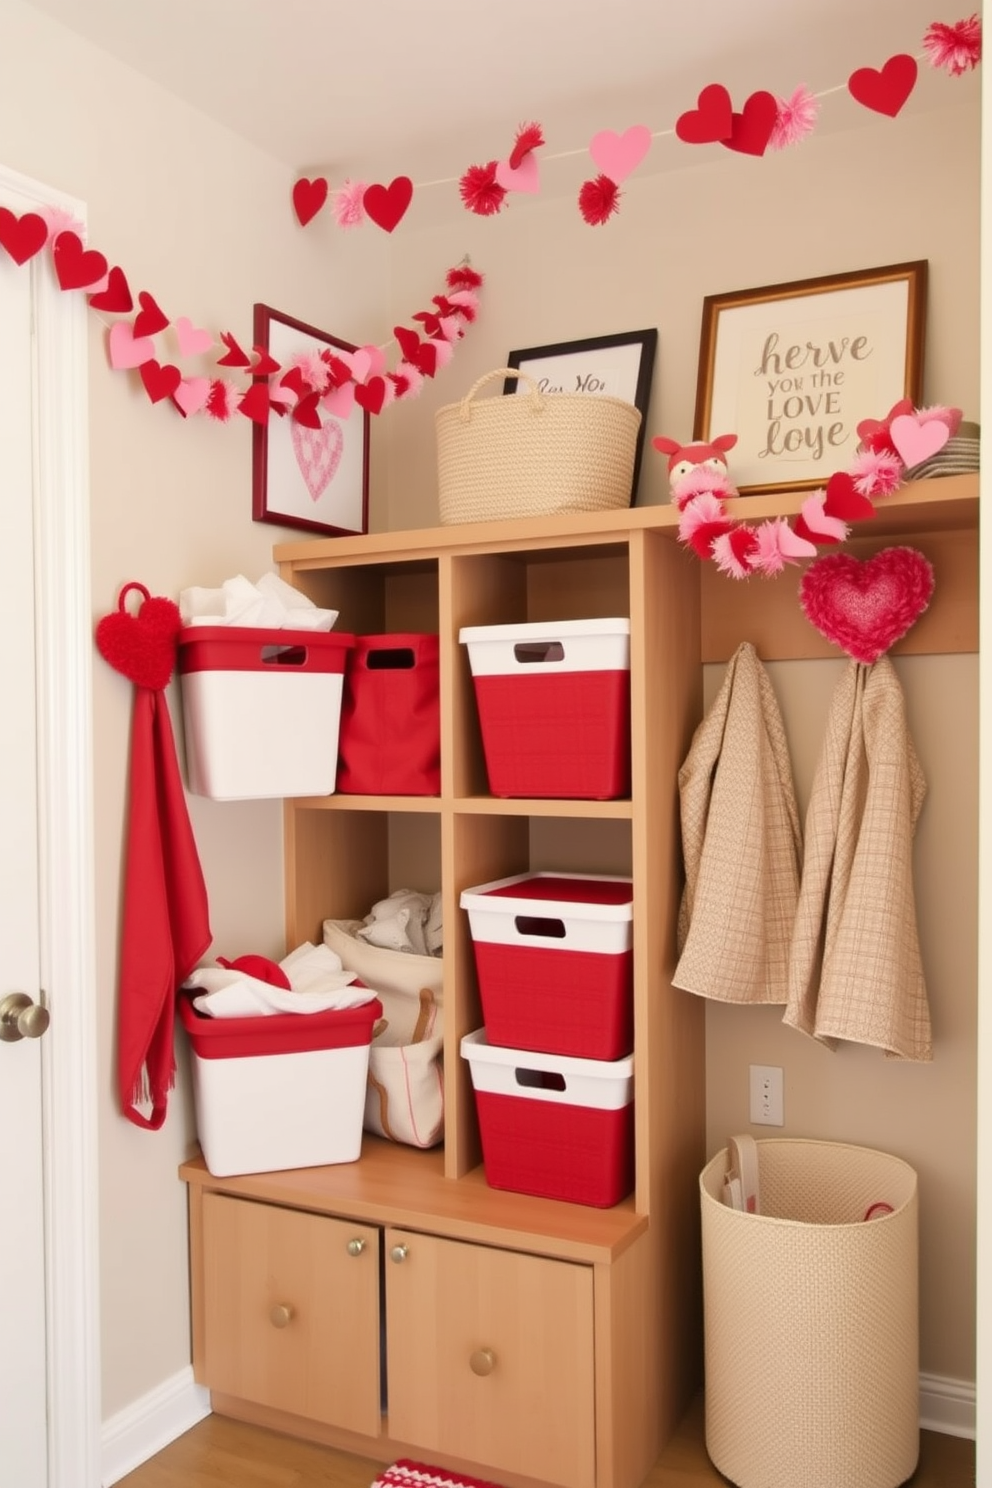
20 1018
482 1361
398 1253
281 1315
356 1246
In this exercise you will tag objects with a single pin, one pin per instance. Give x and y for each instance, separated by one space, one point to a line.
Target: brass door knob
398 1253
356 1246
281 1315
20 1018
482 1361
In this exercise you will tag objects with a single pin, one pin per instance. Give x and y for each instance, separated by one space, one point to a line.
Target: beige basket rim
802 1224
536 398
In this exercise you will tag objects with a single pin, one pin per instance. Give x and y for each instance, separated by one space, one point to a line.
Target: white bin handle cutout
531 652
540 925
537 1079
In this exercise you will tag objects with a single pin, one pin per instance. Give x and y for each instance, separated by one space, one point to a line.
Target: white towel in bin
271 604
317 979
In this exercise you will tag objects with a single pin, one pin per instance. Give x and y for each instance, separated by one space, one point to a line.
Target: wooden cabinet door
292 1311
489 1356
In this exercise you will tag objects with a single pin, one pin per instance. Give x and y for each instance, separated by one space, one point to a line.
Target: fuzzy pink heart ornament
865 606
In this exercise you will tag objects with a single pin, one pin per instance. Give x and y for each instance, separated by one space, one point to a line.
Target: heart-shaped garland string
141 646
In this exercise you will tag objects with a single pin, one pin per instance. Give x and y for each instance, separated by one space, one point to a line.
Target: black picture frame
586 365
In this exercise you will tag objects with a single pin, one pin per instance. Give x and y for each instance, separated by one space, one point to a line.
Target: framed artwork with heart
792 369
310 472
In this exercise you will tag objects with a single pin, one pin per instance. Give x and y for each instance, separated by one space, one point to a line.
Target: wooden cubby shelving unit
404 1274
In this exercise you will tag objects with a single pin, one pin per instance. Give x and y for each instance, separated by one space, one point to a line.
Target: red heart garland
142 646
371 395
386 205
870 429
255 404
866 606
22 237
266 364
116 297
845 501
308 198
235 356
408 342
160 381
296 382
710 121
752 127
307 413
885 91
76 266
149 319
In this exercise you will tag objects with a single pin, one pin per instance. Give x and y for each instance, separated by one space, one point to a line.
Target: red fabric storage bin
390 737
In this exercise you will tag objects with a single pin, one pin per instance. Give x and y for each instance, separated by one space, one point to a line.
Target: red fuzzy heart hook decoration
142 646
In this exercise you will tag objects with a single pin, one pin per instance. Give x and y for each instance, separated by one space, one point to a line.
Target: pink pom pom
451 327
954 48
444 349
412 377
702 479
796 119
779 545
876 472
349 207
315 370
733 552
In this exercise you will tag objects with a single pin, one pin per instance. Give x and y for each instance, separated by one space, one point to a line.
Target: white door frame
64 640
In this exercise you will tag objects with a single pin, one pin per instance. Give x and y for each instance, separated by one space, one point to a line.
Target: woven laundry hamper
534 454
811 1320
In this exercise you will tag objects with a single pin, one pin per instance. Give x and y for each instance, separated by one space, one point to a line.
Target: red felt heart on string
865 606
386 205
160 381
22 237
235 357
76 266
845 501
149 319
710 121
116 297
408 342
885 90
255 403
266 364
870 429
141 646
307 411
752 127
308 198
371 395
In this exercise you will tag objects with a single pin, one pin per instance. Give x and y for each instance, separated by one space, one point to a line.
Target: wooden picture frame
315 479
792 369
619 365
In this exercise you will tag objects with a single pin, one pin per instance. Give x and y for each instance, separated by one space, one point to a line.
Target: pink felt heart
524 177
386 205
865 606
915 442
616 155
711 120
141 646
318 454
885 90
193 341
191 394
126 349
340 400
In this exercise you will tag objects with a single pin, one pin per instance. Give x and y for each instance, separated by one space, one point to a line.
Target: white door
49 1359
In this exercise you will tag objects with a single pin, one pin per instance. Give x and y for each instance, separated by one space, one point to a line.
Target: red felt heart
160 381
711 120
870 430
76 266
387 204
266 364
296 382
141 646
255 404
885 90
752 127
307 413
22 237
116 297
864 606
845 501
149 319
235 356
371 395
408 342
308 198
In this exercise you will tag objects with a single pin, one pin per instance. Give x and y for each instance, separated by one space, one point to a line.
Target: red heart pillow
141 646
864 606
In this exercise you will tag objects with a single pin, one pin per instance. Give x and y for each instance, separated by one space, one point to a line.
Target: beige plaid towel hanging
742 844
855 970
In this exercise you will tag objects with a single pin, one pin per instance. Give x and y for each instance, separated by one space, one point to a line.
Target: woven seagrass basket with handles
533 454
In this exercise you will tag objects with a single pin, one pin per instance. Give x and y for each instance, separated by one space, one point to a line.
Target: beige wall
203 222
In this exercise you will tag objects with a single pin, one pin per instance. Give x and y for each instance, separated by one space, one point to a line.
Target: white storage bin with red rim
283 1090
261 710
554 706
554 957
552 1126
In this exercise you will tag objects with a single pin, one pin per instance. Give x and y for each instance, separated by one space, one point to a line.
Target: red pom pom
529 137
480 190
463 277
955 48
598 200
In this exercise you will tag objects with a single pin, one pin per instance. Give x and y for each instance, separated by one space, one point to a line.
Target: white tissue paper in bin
271 604
317 979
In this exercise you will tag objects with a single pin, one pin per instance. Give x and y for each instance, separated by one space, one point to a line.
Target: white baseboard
149 1424
947 1405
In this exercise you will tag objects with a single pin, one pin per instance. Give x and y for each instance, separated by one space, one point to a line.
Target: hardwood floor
220 1453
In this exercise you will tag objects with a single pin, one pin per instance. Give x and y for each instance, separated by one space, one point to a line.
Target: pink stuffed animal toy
698 466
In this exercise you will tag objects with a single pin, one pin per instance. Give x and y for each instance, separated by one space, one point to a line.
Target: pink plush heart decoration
318 454
616 155
141 646
915 442
865 606
126 349
525 177
193 341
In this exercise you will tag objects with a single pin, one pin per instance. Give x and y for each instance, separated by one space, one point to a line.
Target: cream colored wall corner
203 222
838 202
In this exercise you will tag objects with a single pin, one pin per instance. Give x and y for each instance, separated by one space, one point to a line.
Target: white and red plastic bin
552 1069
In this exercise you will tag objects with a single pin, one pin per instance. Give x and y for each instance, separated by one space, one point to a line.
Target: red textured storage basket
390 738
